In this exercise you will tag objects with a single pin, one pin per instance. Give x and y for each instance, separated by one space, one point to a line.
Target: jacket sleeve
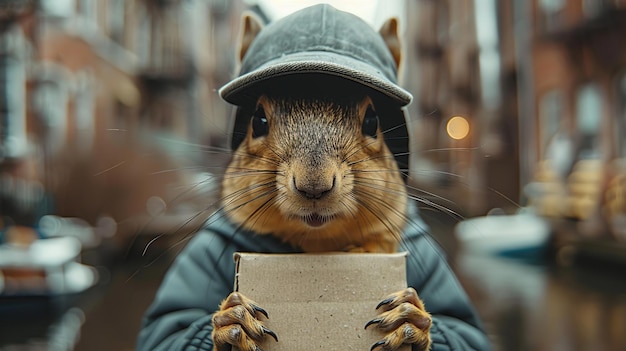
455 323
199 279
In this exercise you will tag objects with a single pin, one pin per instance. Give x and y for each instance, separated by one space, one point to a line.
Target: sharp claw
270 333
376 344
259 309
373 321
384 302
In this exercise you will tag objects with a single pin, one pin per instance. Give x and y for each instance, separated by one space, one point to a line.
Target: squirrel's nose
314 190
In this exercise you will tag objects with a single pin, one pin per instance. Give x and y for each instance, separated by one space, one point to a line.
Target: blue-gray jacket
202 276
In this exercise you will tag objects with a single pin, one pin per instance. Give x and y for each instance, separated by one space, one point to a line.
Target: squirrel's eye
259 123
370 123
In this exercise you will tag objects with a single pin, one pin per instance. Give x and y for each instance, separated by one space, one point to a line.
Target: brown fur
389 32
313 141
251 25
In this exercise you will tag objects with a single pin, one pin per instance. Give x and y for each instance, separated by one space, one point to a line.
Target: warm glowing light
458 127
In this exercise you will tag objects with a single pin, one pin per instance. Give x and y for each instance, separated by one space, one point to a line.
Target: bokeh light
458 127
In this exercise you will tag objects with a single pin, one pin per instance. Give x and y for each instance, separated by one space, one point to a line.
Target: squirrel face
314 170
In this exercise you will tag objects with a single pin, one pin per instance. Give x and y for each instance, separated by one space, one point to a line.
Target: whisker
391 182
422 200
452 149
388 130
429 172
372 207
110 168
257 191
257 214
180 227
371 158
233 197
245 155
177 169
249 172
188 236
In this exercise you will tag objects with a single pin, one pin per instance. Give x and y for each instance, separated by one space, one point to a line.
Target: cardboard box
320 301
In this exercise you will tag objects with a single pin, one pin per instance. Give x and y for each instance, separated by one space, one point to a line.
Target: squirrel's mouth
315 220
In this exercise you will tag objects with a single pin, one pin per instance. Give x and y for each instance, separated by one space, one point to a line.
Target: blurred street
113 138
525 305
533 303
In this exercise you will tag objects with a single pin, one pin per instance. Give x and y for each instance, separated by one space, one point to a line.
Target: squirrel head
310 162
314 170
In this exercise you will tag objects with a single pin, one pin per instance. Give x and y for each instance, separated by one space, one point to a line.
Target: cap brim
237 91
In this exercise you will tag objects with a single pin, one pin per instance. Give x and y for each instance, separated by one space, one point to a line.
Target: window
592 8
84 111
557 146
12 109
89 10
551 6
143 36
116 17
620 130
550 114
588 118
442 23
58 8
51 104
552 13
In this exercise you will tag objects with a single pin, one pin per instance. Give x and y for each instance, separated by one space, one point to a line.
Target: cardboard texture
320 301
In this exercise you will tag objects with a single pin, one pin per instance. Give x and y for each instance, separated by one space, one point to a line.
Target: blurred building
465 124
575 88
110 132
107 104
540 87
109 109
517 103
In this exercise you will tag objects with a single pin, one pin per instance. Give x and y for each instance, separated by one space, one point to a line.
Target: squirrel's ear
251 25
389 32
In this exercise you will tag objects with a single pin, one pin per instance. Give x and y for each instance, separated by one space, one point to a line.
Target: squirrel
314 170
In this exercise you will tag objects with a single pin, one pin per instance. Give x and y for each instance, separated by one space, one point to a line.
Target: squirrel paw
237 323
405 320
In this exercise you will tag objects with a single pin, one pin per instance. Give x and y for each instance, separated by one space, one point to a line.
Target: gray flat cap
318 39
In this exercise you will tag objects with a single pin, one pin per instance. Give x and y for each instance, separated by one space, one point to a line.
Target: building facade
541 85
107 103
